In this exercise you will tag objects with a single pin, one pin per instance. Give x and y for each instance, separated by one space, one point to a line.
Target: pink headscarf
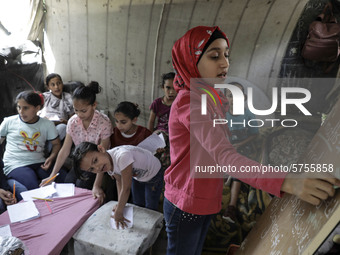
187 51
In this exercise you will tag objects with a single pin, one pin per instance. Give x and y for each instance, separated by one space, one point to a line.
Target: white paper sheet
152 143
128 214
42 192
64 190
22 211
5 230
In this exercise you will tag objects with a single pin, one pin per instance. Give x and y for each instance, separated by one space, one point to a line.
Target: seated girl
88 124
26 134
58 106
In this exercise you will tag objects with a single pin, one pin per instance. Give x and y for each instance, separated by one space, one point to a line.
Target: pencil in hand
51 179
14 190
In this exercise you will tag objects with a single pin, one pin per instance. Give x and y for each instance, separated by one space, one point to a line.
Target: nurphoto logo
238 104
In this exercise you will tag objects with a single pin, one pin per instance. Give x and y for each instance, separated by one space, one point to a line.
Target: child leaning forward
123 163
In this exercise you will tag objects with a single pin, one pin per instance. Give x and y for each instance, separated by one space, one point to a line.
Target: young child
124 163
160 108
241 137
58 105
26 135
127 132
189 203
89 125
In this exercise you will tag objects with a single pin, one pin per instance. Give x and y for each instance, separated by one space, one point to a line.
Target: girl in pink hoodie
199 151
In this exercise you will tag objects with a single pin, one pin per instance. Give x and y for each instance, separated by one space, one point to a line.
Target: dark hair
31 97
167 76
78 155
51 76
129 109
87 93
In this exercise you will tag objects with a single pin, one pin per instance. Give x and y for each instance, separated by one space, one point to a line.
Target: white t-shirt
57 108
144 165
25 142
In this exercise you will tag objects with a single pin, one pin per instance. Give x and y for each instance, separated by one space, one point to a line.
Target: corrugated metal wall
126 45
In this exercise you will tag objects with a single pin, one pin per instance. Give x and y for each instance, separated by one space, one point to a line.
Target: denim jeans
30 176
186 232
147 194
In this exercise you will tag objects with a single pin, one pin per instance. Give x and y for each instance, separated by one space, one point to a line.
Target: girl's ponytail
88 92
94 86
129 109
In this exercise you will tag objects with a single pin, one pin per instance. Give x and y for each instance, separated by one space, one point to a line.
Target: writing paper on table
5 230
127 213
42 192
64 190
22 211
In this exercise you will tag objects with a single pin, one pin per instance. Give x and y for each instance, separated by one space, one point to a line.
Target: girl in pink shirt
189 203
87 125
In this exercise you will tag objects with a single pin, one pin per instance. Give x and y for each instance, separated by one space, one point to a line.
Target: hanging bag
322 43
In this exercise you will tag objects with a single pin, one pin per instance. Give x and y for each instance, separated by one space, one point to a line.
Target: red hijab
186 53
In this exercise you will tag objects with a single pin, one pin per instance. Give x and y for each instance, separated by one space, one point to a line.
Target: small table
97 237
49 233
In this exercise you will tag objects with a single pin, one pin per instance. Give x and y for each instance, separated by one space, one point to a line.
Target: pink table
49 233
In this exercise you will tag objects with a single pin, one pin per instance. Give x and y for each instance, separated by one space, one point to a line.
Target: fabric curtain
36 22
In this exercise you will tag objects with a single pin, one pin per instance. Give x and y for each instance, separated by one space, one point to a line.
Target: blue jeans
147 194
30 176
186 232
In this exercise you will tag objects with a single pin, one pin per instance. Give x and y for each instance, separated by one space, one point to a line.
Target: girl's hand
43 181
47 164
310 188
97 192
7 197
120 220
